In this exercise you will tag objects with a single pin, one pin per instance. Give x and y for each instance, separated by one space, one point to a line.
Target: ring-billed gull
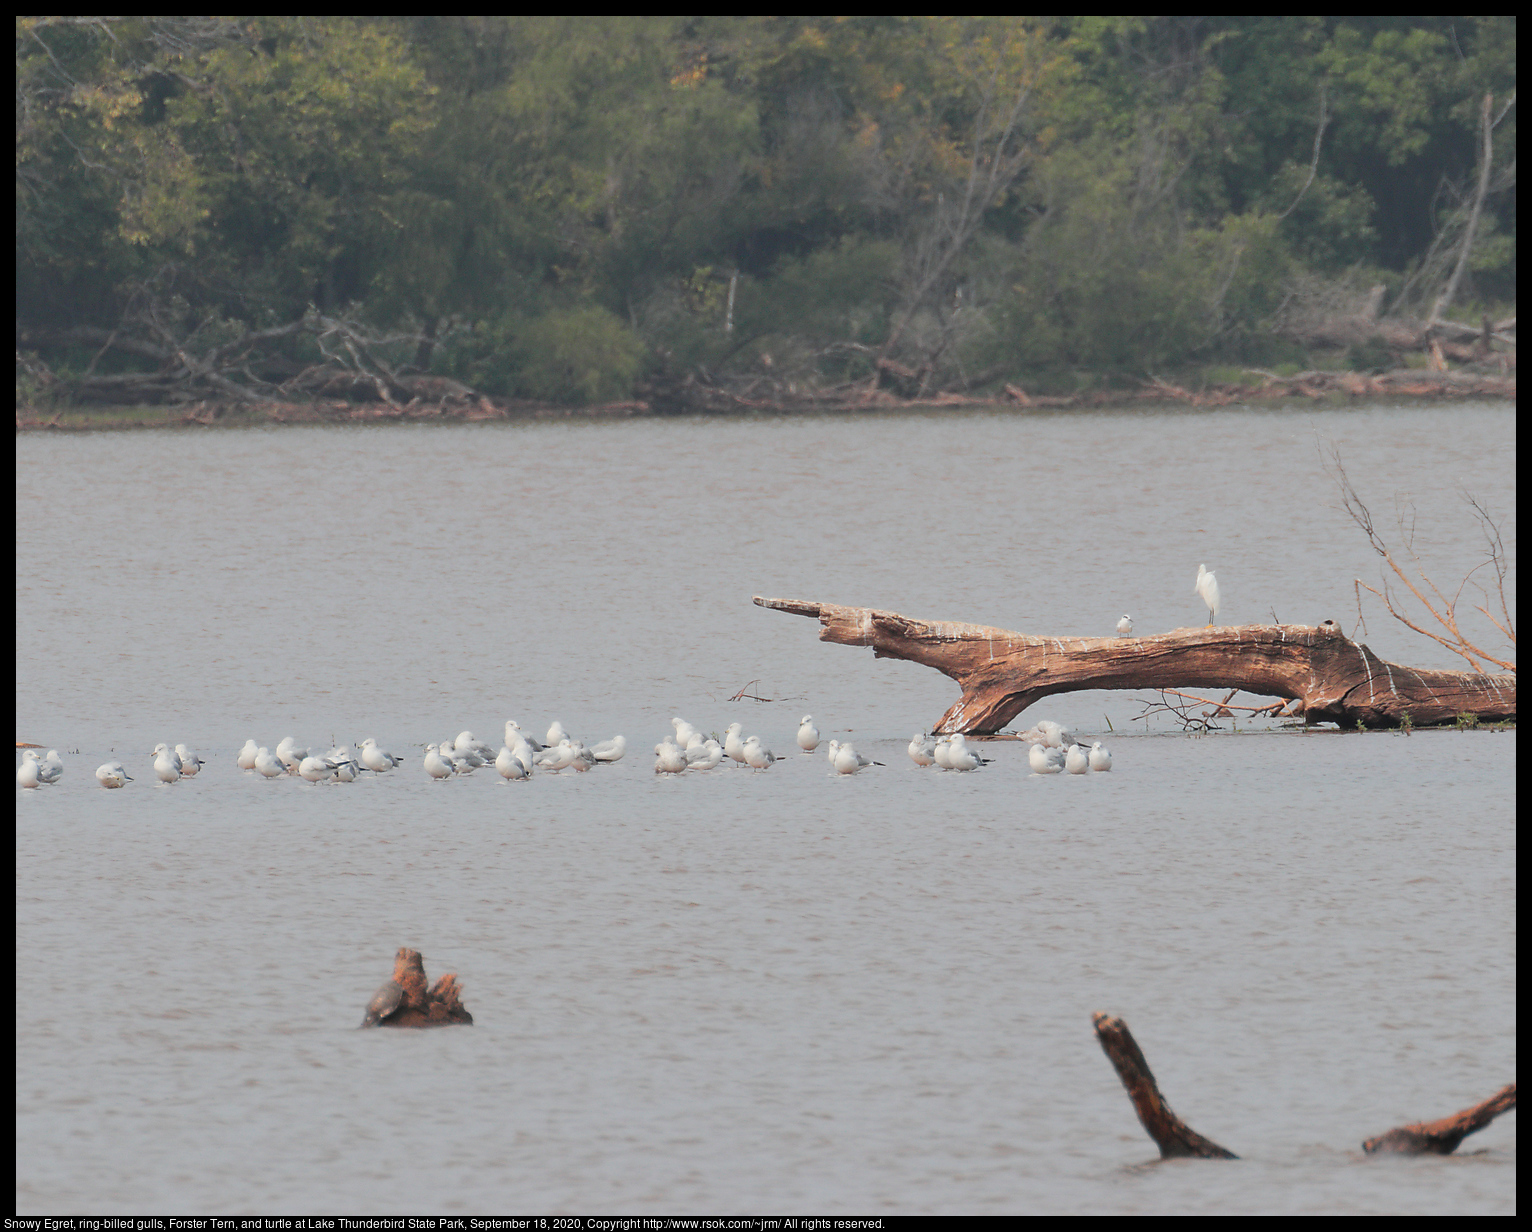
808 734
1045 760
316 769
167 767
190 762
610 750
961 757
732 744
246 758
1076 760
759 757
289 754
1100 758
29 773
556 733
558 757
52 768
511 766
1125 626
704 756
375 759
685 732
437 766
513 733
1207 587
923 749
267 764
668 758
112 774
467 742
942 753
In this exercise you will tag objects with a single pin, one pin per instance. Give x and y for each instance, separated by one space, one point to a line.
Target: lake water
746 993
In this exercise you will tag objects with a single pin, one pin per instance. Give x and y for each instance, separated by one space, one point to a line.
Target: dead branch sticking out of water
1442 1137
1002 672
1174 1137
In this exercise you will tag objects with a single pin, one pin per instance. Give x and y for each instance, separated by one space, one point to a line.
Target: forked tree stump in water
405 1001
1442 1137
1001 673
1174 1137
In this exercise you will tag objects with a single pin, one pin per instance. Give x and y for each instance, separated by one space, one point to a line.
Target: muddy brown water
755 993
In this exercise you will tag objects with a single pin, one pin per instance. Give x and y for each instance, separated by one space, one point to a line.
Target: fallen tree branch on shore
1002 672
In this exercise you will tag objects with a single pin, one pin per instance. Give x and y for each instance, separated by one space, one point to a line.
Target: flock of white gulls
1054 751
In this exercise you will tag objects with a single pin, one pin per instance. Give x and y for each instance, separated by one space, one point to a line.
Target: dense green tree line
574 208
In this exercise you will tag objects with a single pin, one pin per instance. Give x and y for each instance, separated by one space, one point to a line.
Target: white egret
1100 758
808 734
112 774
1207 587
1125 626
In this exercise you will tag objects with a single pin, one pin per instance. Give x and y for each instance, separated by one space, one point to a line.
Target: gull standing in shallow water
29 773
190 762
376 759
808 734
760 758
52 768
1044 760
1125 626
511 766
437 766
704 756
1207 587
113 774
267 765
732 744
961 757
1076 760
668 758
167 766
923 749
1100 758
610 750
246 758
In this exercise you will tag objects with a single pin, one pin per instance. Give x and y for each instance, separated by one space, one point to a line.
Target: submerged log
1174 1137
1002 672
405 1001
1442 1137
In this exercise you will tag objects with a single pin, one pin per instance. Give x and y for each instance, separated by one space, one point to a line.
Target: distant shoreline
1307 388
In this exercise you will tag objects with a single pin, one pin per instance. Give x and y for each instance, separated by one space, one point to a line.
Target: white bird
52 768
190 762
942 753
375 759
289 754
923 749
1125 626
845 759
583 758
346 771
961 756
524 749
684 732
246 758
668 758
1045 760
1207 587
167 767
464 760
610 750
1100 758
556 733
732 744
1077 761
29 773
112 774
759 758
466 742
437 766
704 756
511 766
315 768
558 757
1054 735
808 734
513 733
267 764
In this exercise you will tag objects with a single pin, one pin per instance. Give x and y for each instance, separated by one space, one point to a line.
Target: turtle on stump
405 1001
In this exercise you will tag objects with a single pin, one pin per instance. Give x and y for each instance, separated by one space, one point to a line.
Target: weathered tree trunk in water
1171 1134
1001 673
1442 1137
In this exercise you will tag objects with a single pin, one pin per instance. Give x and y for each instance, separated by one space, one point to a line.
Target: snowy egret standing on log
1207 587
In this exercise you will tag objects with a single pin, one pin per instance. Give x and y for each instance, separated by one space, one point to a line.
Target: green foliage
576 355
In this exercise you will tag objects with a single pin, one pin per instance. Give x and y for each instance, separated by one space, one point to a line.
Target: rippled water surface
735 992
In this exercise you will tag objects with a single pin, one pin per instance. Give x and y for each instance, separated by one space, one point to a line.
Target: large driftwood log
1001 672
1171 1134
405 1001
1442 1137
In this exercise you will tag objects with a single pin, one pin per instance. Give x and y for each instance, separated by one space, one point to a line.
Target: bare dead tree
1408 570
